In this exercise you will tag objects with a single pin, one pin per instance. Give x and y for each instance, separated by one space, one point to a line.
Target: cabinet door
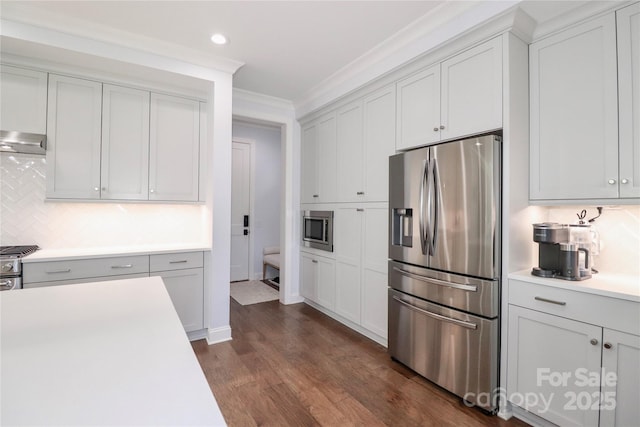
628 21
174 148
374 265
125 143
186 289
348 249
543 349
349 151
472 91
621 379
73 135
325 283
308 276
379 142
204 154
326 158
574 122
418 111
23 103
309 164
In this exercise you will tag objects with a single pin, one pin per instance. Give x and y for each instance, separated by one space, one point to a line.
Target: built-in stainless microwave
317 230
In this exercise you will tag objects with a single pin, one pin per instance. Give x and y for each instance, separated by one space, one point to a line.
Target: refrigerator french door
444 268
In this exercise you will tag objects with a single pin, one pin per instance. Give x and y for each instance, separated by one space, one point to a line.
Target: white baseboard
530 418
216 335
197 335
293 299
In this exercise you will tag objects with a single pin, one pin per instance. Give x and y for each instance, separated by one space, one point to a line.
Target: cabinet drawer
85 280
85 268
179 261
613 313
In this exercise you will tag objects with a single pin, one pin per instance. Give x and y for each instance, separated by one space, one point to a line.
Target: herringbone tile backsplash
26 218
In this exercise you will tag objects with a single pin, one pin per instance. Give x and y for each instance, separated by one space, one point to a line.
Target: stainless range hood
23 142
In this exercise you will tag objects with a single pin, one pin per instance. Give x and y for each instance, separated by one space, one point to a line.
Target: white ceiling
288 48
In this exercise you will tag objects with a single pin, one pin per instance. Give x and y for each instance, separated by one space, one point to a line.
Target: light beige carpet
252 292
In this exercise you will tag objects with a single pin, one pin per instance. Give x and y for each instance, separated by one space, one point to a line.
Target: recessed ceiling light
219 39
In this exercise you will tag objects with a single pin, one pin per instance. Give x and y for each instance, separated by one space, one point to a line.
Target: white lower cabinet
318 279
566 363
186 289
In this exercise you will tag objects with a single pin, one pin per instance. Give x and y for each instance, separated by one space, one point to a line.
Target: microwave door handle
421 217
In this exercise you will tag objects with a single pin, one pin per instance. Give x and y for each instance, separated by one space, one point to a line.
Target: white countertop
63 254
605 284
109 353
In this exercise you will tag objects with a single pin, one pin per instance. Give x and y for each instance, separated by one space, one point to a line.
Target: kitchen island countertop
64 254
109 353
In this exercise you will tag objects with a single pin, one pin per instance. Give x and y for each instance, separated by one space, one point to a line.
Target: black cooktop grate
19 251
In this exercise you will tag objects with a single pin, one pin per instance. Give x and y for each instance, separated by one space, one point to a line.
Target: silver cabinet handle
122 266
359 210
612 181
550 301
436 129
315 261
315 196
438 316
438 282
68 270
608 345
624 181
182 261
360 193
96 189
152 191
594 341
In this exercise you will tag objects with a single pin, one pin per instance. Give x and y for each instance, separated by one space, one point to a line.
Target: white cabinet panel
186 287
73 152
325 282
23 104
379 142
542 345
574 122
174 148
204 153
125 143
621 365
348 250
309 164
349 151
326 158
472 91
418 121
374 267
628 22
308 276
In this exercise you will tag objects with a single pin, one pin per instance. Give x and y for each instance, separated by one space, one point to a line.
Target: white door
240 205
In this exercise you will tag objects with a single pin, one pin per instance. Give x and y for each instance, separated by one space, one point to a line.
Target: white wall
25 217
266 191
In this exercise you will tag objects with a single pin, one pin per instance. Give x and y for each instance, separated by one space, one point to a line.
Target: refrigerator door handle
424 238
434 196
437 316
433 281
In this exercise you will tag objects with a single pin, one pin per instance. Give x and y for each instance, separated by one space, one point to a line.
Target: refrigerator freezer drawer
478 296
455 350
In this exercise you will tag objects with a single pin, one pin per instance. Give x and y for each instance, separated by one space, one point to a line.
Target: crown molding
244 99
446 22
25 15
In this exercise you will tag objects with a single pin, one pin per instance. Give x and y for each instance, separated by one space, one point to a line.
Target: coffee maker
558 256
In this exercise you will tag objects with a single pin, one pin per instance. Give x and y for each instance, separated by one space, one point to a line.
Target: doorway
264 158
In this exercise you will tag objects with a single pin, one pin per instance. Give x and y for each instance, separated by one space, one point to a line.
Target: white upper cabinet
574 120
23 104
318 161
73 152
349 150
472 91
628 21
458 97
174 148
125 143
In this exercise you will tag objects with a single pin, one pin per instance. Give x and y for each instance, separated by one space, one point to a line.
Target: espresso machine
561 254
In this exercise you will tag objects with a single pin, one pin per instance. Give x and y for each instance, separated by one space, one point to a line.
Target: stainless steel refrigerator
444 267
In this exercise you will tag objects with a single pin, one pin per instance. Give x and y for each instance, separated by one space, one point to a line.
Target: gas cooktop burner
18 251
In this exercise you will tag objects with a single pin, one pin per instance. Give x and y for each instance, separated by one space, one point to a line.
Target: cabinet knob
441 127
152 191
624 181
436 129
96 189
608 345
359 210
360 193
594 341
612 181
104 188
315 261
315 196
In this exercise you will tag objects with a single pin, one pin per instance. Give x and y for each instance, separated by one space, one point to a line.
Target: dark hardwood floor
294 366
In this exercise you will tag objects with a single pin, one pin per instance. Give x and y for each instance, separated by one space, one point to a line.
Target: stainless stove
11 265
